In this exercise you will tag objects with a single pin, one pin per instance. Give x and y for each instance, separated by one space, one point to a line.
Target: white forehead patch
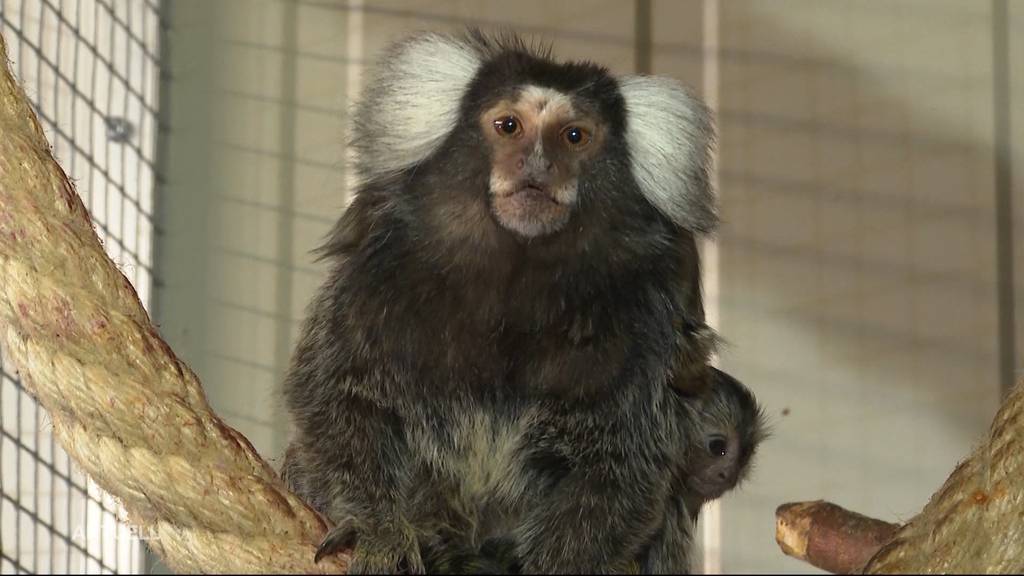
670 135
411 103
545 102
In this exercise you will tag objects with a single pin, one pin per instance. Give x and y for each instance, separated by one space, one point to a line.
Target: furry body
727 425
461 377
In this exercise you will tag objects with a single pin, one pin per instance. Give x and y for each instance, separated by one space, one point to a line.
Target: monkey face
490 155
730 428
716 465
539 142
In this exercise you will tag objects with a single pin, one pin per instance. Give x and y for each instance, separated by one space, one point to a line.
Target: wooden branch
830 537
125 408
973 524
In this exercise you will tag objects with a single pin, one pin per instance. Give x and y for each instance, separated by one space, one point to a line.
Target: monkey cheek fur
530 212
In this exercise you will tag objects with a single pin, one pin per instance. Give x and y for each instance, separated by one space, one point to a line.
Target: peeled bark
829 537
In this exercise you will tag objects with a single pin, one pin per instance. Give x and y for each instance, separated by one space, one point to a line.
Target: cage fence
91 69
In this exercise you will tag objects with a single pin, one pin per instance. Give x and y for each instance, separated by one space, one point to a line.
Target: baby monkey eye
718 447
507 126
576 136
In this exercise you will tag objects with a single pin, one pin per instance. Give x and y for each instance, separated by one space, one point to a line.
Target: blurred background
867 276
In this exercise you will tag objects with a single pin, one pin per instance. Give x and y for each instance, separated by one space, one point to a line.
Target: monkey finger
342 537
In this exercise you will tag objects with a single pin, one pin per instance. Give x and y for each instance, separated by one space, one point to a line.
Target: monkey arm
668 552
592 523
350 460
605 502
669 549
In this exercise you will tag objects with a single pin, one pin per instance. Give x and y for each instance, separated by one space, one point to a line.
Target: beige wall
858 253
857 258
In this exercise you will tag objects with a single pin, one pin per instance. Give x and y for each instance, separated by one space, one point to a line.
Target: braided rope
124 407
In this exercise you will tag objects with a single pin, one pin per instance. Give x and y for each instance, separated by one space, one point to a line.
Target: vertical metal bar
354 48
17 471
74 115
56 116
286 180
643 36
2 487
140 213
3 554
1004 193
124 193
711 514
73 164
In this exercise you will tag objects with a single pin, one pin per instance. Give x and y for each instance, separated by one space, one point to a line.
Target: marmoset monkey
731 426
508 301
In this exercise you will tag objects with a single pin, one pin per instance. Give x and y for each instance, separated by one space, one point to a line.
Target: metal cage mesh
91 69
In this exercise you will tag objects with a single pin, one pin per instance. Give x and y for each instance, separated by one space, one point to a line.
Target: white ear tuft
670 135
412 102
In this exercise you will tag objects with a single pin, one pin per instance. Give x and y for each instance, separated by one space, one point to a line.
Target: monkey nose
539 169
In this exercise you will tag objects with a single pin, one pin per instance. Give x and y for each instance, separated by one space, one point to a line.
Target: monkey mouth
532 192
530 209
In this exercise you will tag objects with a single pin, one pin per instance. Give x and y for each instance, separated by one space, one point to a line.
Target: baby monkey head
730 428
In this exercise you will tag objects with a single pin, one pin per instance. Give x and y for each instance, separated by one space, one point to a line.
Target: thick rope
124 407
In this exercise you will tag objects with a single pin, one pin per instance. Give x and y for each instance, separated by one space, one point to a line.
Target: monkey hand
377 550
447 556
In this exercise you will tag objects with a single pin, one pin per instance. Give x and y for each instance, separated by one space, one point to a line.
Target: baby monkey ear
670 136
412 102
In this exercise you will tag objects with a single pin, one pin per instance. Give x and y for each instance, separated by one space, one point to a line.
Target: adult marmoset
510 293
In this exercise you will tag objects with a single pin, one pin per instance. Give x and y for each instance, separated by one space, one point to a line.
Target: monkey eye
508 126
717 446
576 137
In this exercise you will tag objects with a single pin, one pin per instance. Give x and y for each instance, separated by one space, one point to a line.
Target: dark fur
727 408
432 316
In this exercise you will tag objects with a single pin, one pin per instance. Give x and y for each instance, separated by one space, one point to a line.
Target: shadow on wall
858 275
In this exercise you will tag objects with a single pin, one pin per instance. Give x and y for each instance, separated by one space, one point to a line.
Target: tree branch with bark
973 524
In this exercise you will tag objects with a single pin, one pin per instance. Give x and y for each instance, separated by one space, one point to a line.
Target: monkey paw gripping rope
122 405
135 418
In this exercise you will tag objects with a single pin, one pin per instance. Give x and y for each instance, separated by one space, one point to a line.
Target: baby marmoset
731 426
728 426
510 293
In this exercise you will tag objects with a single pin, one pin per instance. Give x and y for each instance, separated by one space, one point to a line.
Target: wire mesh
91 69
